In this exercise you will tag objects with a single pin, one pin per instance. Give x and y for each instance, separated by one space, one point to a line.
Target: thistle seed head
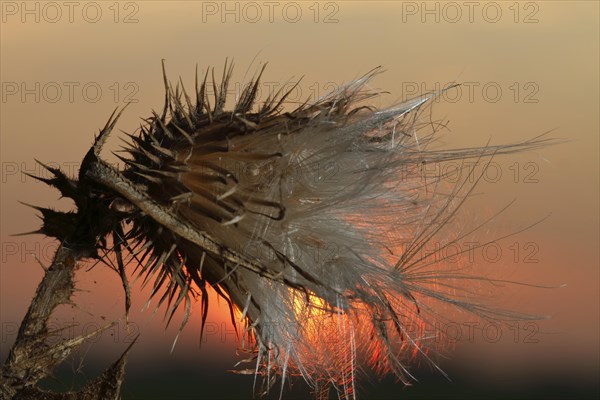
309 222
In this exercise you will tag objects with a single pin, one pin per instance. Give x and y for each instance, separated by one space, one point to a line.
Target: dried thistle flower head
310 223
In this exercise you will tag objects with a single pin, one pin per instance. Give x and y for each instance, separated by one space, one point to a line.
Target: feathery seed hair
309 223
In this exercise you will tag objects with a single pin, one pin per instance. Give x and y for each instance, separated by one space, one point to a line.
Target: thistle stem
33 358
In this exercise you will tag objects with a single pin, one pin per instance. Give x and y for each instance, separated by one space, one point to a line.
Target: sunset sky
526 68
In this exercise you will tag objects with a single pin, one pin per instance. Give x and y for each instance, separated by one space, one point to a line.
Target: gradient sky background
531 68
